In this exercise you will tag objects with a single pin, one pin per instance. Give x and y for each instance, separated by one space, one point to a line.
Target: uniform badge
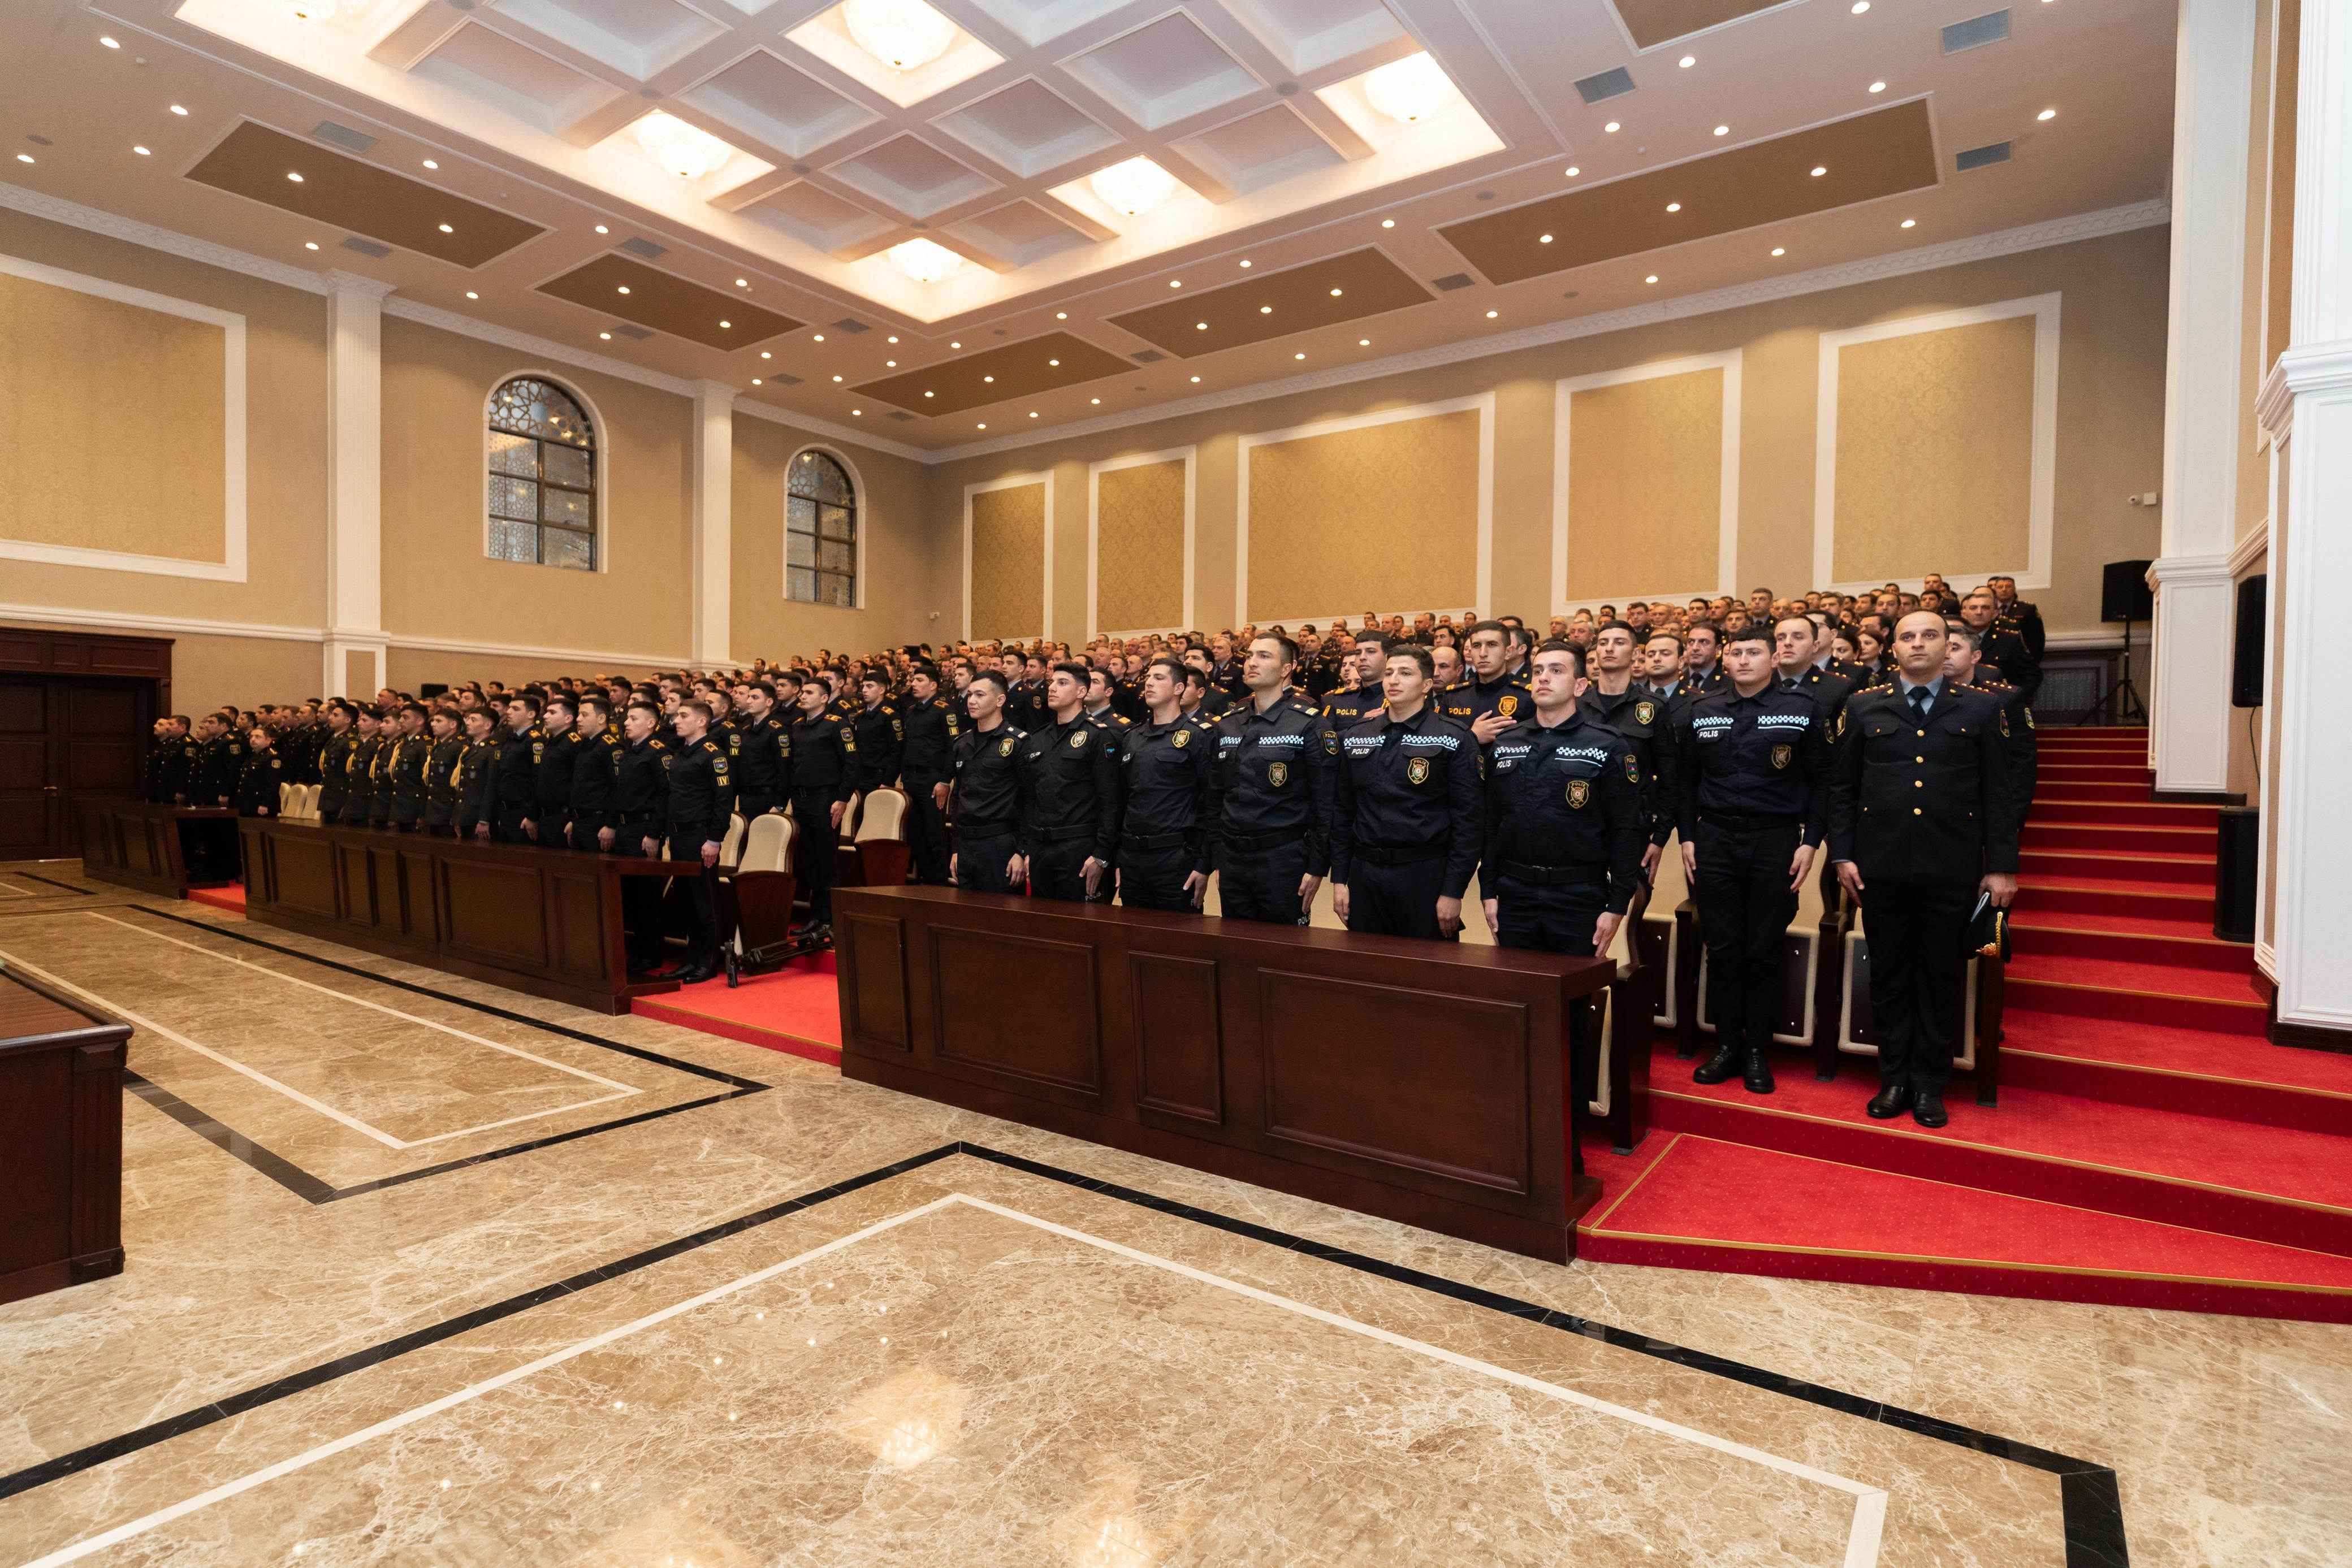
1278 774
1646 713
1781 754
1580 791
1004 747
1633 768
1079 741
2004 723
2029 717
1417 770
1506 705
1181 737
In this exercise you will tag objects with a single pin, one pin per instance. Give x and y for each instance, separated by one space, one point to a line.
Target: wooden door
63 739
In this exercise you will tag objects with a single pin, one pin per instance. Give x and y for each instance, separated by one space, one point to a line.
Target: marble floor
424 1272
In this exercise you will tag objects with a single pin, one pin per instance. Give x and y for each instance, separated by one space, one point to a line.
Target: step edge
2015 979
2262 1083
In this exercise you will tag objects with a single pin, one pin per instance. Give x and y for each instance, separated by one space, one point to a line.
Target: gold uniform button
1918 783
1923 735
1915 810
1918 759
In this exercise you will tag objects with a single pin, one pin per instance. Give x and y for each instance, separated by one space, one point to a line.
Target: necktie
1919 705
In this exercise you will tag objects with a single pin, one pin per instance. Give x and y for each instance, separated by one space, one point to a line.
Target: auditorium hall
1175 783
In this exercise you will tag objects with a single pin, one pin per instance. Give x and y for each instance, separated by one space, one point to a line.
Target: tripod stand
2123 697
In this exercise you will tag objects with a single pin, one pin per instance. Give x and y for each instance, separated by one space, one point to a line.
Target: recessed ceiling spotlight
2047 114
179 109
1175 283
931 394
1910 223
1572 171
1058 316
836 378
1245 265
603 230
447 230
1687 61
818 339
893 339
1651 278
1611 126
141 152
727 325
23 157
1200 326
886 364
1363 342
430 164
1265 309
1543 239
766 355
471 294
1878 87
1095 399
313 245
1492 314
854 413
1779 250
625 288
984 424
606 336
110 43
1819 170
1032 414
988 378
1196 378
294 176
1298 356
1335 293
1053 362
1859 6
1388 223
1674 206
890 340
1723 130
755 381
743 283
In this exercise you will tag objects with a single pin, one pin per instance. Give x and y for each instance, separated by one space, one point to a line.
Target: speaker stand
2121 704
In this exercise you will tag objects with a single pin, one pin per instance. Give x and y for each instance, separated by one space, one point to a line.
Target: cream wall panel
1647 461
1938 447
1008 557
1384 511
1140 543
280 417
438 583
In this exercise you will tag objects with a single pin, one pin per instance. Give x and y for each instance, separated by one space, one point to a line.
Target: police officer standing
1923 824
700 798
641 814
1363 698
1408 823
985 803
560 742
595 779
403 770
359 771
1163 767
1270 794
824 775
514 771
1754 788
443 767
1624 705
763 760
1492 699
476 807
880 733
335 759
167 757
1069 796
927 761
1962 664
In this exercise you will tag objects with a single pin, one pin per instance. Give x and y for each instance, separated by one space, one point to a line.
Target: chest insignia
1646 713
1417 770
1181 739
1004 747
1579 793
1506 705
1781 754
1634 768
1278 774
1079 741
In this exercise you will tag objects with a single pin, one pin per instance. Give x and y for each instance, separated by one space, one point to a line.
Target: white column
2307 407
354 481
2188 723
714 532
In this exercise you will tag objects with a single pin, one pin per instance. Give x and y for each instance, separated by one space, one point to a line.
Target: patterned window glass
542 478
820 533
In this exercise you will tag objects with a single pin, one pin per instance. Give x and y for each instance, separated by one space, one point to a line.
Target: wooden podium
60 1140
1423 1082
134 843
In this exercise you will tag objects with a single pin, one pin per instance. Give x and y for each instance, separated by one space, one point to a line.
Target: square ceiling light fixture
1404 97
1121 195
904 49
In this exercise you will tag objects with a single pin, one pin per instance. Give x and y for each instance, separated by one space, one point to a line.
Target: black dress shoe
1890 1101
1928 1110
693 974
1719 1067
1758 1077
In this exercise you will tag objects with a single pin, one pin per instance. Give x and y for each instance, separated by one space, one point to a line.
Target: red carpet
2151 1146
230 896
793 1010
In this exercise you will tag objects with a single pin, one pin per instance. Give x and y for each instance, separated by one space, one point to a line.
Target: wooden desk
547 922
136 844
1424 1081
60 1140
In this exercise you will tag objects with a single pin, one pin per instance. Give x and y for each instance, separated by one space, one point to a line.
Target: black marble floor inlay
2090 1502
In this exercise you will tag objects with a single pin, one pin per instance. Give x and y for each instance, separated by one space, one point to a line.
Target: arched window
542 494
821 532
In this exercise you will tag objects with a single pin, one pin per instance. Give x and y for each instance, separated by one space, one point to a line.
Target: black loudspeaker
2246 660
432 689
2241 847
2123 593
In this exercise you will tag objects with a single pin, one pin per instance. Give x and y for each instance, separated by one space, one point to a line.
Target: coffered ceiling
729 189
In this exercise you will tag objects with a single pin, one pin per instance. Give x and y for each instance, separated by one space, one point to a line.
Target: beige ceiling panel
617 286
1017 369
1320 294
1655 22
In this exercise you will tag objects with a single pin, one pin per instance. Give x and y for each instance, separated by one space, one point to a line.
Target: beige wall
285 437
2110 426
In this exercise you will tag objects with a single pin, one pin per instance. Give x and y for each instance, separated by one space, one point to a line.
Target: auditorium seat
1621 1031
878 857
732 844
1666 945
1812 957
759 889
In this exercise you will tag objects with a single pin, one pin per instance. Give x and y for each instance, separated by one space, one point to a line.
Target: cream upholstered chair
1663 935
732 844
1812 960
880 851
1622 1027
760 888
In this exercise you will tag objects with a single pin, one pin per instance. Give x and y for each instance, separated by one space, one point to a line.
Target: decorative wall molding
2251 547
1095 471
231 567
1870 269
179 625
1727 531
35 203
1013 482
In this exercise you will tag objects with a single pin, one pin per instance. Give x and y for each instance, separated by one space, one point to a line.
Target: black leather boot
1758 1077
1719 1067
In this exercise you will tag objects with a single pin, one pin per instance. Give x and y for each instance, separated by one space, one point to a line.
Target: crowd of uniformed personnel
1396 760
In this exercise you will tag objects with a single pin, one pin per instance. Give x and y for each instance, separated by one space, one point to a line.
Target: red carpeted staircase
2151 1146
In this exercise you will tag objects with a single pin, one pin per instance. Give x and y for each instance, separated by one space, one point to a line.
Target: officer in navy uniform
984 800
1631 709
443 773
221 761
641 815
2022 617
1346 709
1797 647
926 762
514 771
824 776
1923 824
1408 820
1962 664
1069 796
700 801
1702 658
764 753
557 754
167 760
1754 792
335 759
1490 699
403 770
2002 643
596 781
476 806
1164 765
1271 793
880 731
257 781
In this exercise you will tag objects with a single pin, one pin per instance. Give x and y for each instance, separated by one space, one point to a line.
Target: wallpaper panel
1645 486
1934 453
1383 517
1140 547
1008 562
113 424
